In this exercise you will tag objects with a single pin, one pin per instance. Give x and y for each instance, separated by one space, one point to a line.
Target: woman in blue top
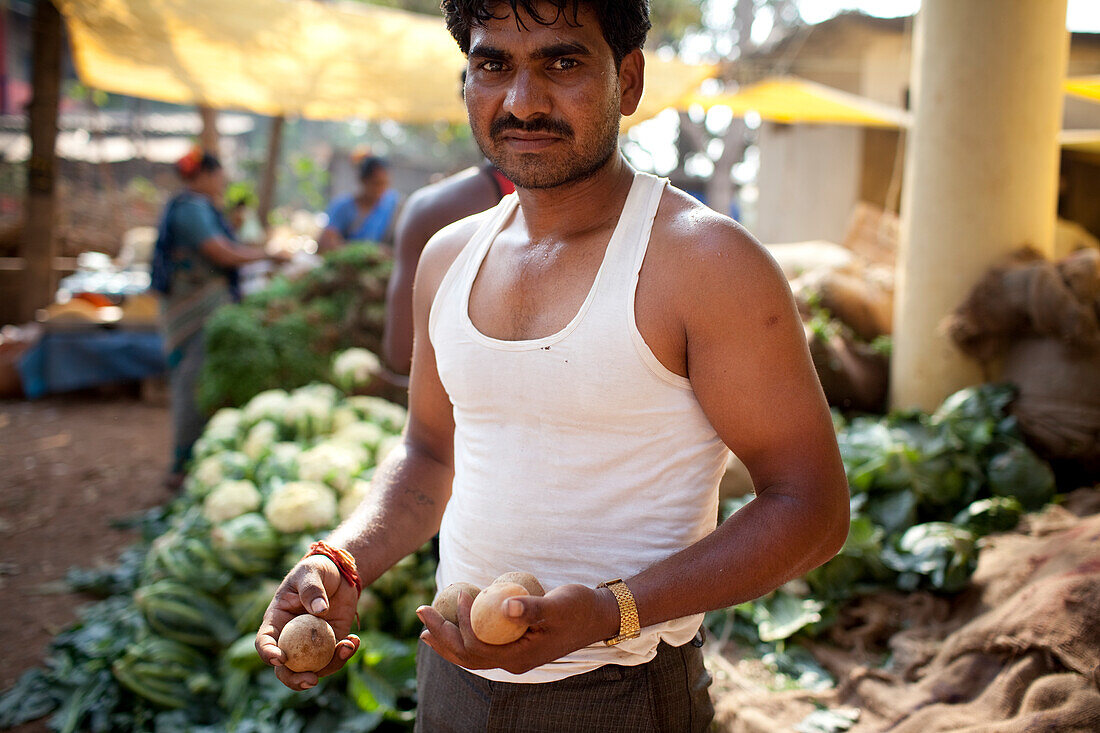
368 214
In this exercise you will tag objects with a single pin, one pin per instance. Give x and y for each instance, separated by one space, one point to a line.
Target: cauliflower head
382 412
259 440
354 496
231 499
354 368
266 405
301 505
333 463
361 434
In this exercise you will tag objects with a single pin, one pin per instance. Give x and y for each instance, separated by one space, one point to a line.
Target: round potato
308 643
446 603
528 581
487 614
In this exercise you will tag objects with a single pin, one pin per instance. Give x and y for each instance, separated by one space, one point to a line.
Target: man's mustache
535 124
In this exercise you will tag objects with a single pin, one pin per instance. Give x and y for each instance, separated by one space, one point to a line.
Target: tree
38 229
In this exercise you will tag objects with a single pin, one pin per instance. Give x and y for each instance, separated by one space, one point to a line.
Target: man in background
427 211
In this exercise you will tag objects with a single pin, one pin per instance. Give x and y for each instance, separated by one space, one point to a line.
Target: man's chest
529 290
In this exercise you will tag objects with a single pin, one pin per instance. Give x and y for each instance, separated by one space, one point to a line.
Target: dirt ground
69 465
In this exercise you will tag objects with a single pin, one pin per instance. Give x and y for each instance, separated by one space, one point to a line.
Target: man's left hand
566 619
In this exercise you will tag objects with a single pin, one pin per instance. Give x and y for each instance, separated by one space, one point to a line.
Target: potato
446 603
487 615
528 581
308 643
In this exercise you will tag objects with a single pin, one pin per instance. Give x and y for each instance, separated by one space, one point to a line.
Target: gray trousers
666 695
184 365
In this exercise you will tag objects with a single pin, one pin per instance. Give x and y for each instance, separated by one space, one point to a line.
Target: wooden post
271 166
981 171
38 229
208 136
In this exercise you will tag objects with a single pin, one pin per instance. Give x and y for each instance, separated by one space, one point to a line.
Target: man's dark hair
369 165
624 23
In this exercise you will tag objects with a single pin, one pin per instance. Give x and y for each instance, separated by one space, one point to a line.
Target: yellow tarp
293 57
1084 86
792 100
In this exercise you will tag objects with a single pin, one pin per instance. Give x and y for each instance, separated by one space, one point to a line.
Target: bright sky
1081 15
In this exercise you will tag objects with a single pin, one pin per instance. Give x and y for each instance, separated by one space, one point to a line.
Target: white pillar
980 173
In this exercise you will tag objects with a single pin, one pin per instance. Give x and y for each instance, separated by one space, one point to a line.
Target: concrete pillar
980 170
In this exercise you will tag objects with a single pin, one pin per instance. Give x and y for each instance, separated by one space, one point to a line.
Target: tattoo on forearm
419 496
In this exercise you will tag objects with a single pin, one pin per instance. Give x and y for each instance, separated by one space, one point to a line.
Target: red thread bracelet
343 560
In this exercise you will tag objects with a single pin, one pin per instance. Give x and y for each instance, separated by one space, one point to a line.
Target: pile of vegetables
170 647
285 335
925 488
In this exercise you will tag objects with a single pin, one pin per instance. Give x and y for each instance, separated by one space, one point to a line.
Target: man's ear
631 81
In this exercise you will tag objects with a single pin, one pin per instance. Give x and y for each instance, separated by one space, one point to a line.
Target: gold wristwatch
629 628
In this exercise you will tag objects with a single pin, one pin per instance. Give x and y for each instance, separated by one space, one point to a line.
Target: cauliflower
300 505
212 470
353 497
343 416
361 434
270 405
225 420
380 411
354 368
386 446
281 462
260 438
231 499
221 433
309 409
333 463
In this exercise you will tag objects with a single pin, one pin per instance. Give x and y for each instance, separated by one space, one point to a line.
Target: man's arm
403 508
746 357
426 212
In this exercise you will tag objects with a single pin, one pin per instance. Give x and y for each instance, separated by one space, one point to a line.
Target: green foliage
171 647
924 490
285 335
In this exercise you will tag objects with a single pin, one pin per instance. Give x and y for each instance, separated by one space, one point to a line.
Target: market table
88 355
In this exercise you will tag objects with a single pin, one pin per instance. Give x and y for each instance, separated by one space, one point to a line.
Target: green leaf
1018 472
831 720
782 615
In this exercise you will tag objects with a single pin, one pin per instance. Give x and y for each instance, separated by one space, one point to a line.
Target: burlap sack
1025 663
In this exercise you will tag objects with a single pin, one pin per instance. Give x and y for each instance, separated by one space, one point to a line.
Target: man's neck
578 207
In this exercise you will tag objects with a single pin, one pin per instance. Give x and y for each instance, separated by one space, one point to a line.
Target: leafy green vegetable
284 336
1018 472
937 553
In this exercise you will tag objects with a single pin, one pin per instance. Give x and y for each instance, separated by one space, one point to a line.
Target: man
584 354
428 210
194 269
366 215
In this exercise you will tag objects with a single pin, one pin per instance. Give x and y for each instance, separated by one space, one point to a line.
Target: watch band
629 628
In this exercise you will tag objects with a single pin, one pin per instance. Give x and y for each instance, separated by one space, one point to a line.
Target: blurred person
366 215
195 263
428 210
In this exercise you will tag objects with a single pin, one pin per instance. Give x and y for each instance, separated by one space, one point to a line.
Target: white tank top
578 456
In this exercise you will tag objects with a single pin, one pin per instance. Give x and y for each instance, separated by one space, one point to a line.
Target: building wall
809 181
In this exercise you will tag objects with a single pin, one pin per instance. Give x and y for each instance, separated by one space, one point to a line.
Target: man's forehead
568 20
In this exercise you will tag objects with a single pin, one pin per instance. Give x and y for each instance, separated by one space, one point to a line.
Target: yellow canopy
793 100
1084 86
293 57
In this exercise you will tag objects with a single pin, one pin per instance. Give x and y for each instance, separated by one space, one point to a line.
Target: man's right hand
314 586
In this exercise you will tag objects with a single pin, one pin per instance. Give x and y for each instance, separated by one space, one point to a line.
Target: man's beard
532 170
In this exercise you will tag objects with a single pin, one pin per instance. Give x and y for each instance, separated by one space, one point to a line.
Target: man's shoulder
696 237
455 197
446 245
